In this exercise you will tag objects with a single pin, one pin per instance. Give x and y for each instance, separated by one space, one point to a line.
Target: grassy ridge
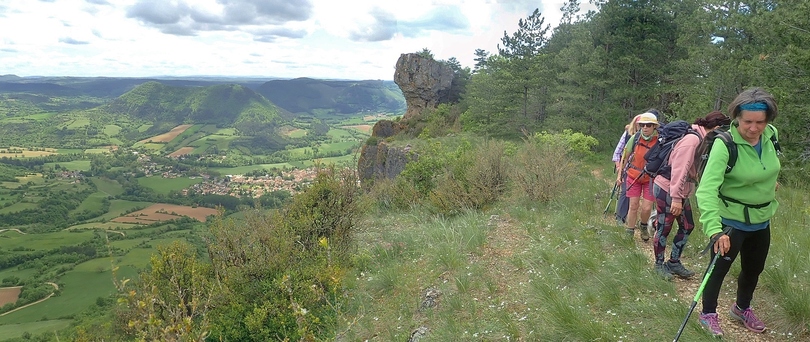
555 272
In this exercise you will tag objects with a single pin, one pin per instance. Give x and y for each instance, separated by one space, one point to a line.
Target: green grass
551 272
165 185
96 150
44 241
75 295
78 123
76 165
69 151
107 186
111 130
17 207
91 203
9 331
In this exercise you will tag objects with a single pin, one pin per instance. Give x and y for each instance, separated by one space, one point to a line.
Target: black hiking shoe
677 269
663 271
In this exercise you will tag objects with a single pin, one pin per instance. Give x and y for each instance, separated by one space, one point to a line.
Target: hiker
622 203
743 199
636 180
671 192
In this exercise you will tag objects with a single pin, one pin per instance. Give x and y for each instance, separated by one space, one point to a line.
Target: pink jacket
682 159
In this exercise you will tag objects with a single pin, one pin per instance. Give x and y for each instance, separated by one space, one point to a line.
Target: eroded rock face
379 160
423 81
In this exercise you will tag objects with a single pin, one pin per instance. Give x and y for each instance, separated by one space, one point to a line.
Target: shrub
541 172
473 178
576 143
282 271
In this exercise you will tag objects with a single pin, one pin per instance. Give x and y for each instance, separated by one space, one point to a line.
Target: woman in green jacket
744 200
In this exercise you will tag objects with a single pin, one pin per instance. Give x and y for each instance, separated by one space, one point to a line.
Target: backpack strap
746 206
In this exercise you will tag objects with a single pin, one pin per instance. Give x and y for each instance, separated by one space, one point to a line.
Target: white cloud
356 39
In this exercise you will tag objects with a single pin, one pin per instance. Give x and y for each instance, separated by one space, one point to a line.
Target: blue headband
754 106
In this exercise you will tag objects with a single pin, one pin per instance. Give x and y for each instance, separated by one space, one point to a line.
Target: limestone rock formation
378 160
424 82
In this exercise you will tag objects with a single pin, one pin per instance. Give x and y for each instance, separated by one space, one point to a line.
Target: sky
326 39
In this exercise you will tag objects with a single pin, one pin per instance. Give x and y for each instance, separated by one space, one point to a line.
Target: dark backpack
657 158
722 133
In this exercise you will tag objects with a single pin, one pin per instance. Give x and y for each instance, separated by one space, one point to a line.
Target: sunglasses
646 124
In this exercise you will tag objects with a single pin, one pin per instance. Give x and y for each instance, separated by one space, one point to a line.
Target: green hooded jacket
752 181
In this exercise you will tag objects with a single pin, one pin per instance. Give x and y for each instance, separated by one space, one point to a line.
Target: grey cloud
383 28
8 50
445 19
157 12
98 2
71 41
178 17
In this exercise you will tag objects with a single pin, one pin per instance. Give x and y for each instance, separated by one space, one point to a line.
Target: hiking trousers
752 247
665 219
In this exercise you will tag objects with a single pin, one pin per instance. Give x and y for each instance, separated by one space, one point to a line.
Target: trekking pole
612 193
706 276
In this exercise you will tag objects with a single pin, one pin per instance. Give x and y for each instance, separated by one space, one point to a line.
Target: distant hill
307 95
223 105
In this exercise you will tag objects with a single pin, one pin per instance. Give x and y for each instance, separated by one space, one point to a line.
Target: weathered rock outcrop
423 81
379 160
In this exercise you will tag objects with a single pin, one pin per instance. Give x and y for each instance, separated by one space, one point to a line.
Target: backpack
657 158
722 133
634 166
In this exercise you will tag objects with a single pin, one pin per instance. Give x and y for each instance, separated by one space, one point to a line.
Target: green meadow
107 186
111 130
165 185
76 165
44 241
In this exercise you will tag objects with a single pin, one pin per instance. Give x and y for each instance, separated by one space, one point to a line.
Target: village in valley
232 185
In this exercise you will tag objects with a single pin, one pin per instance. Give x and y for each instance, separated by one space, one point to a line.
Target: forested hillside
306 95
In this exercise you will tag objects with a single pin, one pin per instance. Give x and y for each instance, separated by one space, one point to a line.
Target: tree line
593 72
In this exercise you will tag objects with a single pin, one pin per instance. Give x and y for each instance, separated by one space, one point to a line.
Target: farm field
166 185
76 165
17 330
164 212
167 137
9 294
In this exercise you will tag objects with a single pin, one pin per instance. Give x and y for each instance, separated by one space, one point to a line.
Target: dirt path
13 229
55 287
687 288
117 232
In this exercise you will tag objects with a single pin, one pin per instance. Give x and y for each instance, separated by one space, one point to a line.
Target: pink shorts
641 190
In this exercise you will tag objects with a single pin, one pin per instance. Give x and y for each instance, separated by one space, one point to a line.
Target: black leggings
753 250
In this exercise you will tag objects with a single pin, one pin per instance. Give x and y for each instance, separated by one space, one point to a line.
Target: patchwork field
9 294
167 137
181 151
361 128
19 152
165 212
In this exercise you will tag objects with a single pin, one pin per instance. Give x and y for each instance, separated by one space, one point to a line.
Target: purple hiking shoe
748 319
711 323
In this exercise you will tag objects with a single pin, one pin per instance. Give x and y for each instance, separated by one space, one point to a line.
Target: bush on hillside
281 272
475 178
542 171
574 142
